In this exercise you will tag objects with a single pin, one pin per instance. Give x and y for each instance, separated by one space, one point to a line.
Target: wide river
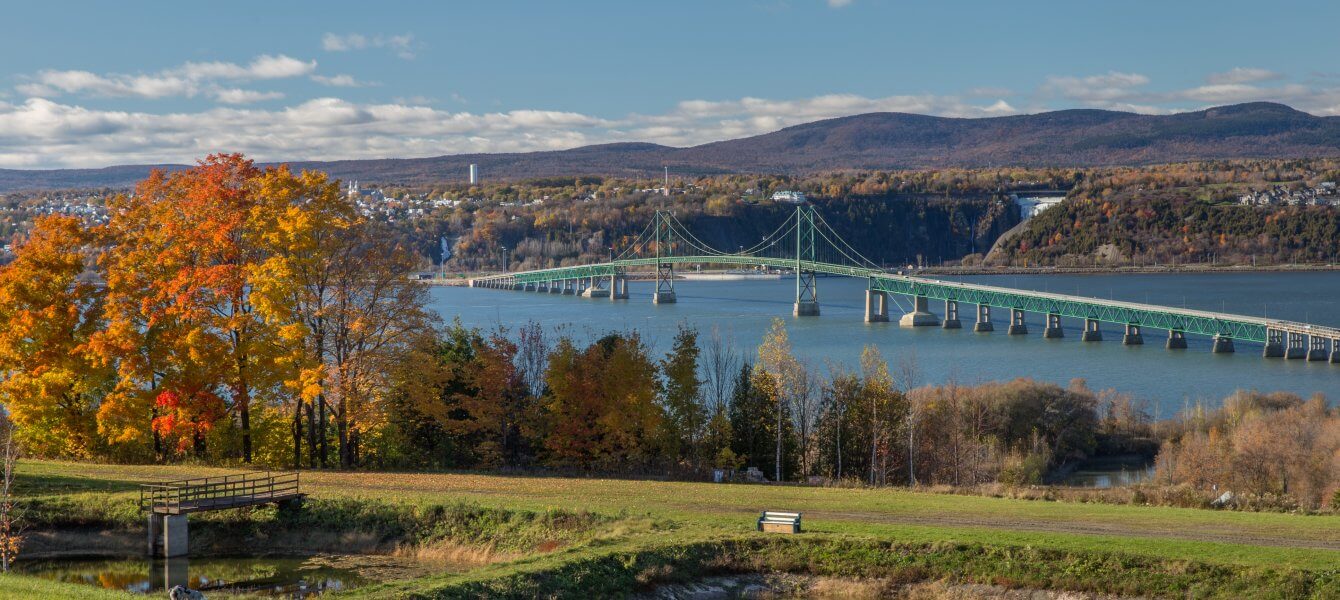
1168 380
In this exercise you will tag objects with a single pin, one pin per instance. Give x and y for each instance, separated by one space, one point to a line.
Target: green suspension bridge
807 246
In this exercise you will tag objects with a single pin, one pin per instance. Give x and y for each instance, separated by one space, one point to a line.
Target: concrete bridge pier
876 306
1335 351
1295 349
983 324
1133 337
167 535
1053 330
921 315
1092 331
618 287
568 287
1274 344
1318 349
1222 345
951 315
556 286
1017 324
1176 340
528 287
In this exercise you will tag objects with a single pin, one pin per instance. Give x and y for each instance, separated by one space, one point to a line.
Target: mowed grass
703 510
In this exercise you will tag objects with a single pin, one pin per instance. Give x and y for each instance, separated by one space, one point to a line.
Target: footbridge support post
1053 330
921 315
1017 324
1176 340
1133 337
951 315
983 324
168 536
876 306
1092 331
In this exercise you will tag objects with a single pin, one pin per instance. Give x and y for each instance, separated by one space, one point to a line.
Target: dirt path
1079 528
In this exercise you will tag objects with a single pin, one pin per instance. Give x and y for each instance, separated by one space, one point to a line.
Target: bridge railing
207 493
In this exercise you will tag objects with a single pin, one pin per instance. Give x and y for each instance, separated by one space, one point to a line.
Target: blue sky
99 83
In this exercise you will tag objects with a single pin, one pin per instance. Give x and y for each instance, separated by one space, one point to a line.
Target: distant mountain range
869 141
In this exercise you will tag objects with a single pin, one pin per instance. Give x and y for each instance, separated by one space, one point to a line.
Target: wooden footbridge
169 502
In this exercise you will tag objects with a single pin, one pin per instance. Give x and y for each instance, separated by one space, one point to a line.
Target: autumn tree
201 232
494 404
785 381
49 383
334 288
601 409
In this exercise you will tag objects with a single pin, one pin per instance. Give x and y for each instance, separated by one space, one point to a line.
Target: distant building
789 197
1031 206
474 174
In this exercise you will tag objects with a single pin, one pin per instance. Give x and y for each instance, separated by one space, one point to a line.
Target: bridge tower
807 292
665 271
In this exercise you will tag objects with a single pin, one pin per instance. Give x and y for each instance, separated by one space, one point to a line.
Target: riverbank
577 537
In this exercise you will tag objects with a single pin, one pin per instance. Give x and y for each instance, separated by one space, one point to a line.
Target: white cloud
238 96
1242 75
338 81
838 3
1097 90
402 45
189 79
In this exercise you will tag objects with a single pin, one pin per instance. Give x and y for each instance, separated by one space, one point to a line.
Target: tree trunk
342 429
321 428
312 453
246 435
778 465
297 433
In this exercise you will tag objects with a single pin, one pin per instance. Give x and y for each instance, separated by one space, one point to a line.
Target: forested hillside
1189 213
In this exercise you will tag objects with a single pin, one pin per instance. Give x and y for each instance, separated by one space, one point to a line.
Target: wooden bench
772 521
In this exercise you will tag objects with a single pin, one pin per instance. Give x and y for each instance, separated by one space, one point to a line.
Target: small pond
1109 473
287 577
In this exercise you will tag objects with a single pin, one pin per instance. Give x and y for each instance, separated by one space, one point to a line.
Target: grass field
844 526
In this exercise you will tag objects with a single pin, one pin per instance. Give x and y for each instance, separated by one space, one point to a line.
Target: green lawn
700 511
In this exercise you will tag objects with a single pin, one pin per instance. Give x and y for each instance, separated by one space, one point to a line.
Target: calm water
1169 380
295 578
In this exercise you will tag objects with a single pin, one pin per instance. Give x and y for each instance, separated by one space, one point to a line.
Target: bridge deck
217 493
1238 327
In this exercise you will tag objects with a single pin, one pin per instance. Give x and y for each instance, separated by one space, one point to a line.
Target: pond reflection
281 577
